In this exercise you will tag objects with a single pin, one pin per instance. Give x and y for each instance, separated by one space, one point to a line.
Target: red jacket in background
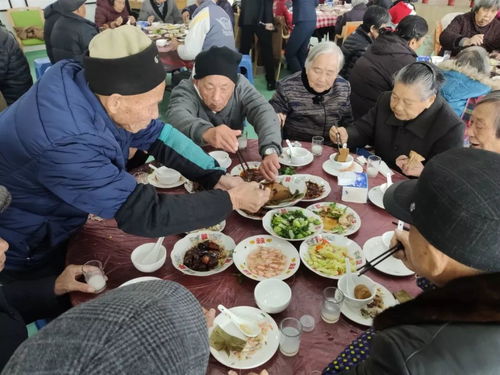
105 13
280 9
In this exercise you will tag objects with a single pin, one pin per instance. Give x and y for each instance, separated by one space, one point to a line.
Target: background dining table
102 240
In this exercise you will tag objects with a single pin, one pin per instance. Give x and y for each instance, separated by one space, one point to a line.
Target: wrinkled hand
209 316
4 246
248 196
415 169
227 182
475 40
281 119
151 19
340 130
173 44
117 22
403 237
270 166
131 20
222 137
185 17
66 281
269 26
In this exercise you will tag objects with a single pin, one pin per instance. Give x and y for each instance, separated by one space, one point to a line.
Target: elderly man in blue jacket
63 149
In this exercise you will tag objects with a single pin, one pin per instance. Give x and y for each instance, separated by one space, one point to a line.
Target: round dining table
102 240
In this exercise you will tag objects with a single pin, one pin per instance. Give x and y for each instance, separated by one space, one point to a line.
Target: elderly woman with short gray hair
466 77
479 27
411 117
309 102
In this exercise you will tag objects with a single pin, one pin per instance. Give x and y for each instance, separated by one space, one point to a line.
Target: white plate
354 314
354 227
318 180
376 196
353 249
139 280
249 244
225 164
214 228
264 354
328 168
391 266
266 222
236 171
188 242
294 184
153 181
248 215
285 158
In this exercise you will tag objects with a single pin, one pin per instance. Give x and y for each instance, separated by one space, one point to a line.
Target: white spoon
290 147
247 327
154 253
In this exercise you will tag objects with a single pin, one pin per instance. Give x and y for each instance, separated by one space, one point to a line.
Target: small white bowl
299 155
272 295
167 176
341 165
222 158
355 302
386 238
140 252
161 42
156 24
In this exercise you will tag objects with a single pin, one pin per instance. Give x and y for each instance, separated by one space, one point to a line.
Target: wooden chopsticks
380 258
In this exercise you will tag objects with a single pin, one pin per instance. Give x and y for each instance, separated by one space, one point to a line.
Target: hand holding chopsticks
380 258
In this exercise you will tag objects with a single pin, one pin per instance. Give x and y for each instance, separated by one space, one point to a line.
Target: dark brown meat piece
203 257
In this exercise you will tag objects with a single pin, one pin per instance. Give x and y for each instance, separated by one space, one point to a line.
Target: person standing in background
256 17
304 19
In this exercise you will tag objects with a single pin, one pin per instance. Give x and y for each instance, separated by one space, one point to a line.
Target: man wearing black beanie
77 125
212 107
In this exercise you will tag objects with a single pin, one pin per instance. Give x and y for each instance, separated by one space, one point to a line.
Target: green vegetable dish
293 224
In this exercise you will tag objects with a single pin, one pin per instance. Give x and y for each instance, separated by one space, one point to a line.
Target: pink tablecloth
325 19
103 241
171 60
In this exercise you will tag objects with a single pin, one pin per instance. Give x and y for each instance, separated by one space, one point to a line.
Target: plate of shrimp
263 256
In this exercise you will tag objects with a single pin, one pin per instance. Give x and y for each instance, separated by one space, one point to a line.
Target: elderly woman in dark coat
479 27
110 14
411 117
373 72
309 102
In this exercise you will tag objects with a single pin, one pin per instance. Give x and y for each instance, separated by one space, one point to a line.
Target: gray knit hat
455 205
153 327
70 5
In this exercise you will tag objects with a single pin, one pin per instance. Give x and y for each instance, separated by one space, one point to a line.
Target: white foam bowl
339 165
140 252
299 155
167 176
356 302
272 295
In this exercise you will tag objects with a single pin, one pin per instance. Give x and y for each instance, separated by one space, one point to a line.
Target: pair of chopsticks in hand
380 258
243 162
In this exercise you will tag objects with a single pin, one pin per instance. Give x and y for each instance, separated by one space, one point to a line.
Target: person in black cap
77 125
454 212
67 32
211 108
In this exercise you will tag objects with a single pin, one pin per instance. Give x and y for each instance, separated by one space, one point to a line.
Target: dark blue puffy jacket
62 157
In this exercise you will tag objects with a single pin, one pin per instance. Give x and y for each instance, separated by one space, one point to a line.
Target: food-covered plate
214 228
286 191
255 175
292 223
325 255
317 187
253 215
256 351
203 253
364 315
263 256
391 266
337 218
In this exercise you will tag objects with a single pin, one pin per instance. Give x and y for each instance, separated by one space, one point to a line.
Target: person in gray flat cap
454 242
67 32
153 327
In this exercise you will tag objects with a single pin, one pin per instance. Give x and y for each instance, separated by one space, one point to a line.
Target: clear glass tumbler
332 304
290 332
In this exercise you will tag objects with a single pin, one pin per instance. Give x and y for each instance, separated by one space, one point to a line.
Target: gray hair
487 4
357 2
423 74
476 58
493 98
324 48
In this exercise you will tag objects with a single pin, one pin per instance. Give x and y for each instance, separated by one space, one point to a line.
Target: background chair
25 17
347 30
440 26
